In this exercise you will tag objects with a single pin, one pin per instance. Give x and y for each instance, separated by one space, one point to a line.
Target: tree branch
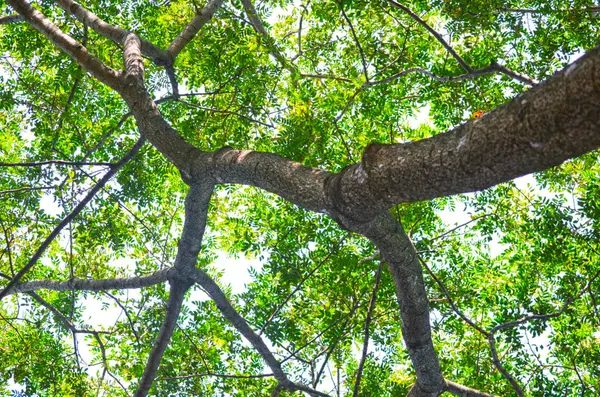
360 50
463 391
132 57
201 18
365 350
554 121
181 279
269 42
228 311
11 19
38 253
71 47
77 284
176 297
435 34
56 162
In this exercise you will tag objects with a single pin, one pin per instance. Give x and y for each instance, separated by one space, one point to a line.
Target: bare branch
38 253
124 309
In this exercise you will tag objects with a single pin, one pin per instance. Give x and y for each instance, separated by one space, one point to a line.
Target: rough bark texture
555 121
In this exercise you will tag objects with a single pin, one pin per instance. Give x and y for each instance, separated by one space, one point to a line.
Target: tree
140 120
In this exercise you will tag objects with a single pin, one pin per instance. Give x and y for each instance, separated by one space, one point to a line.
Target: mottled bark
398 252
556 120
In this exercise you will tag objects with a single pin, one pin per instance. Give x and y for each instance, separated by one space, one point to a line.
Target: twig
434 33
365 350
38 253
297 288
360 50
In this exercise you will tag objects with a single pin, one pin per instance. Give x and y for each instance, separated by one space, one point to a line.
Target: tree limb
56 162
71 47
398 252
11 19
554 121
176 297
181 279
434 33
201 18
77 284
464 391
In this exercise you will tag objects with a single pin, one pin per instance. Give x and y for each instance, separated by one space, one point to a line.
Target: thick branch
132 57
398 252
166 331
71 47
196 212
294 182
38 253
554 121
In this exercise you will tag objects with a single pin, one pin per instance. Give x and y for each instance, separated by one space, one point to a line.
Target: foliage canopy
511 273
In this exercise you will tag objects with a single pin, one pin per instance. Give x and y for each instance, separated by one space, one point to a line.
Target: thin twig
38 253
365 350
